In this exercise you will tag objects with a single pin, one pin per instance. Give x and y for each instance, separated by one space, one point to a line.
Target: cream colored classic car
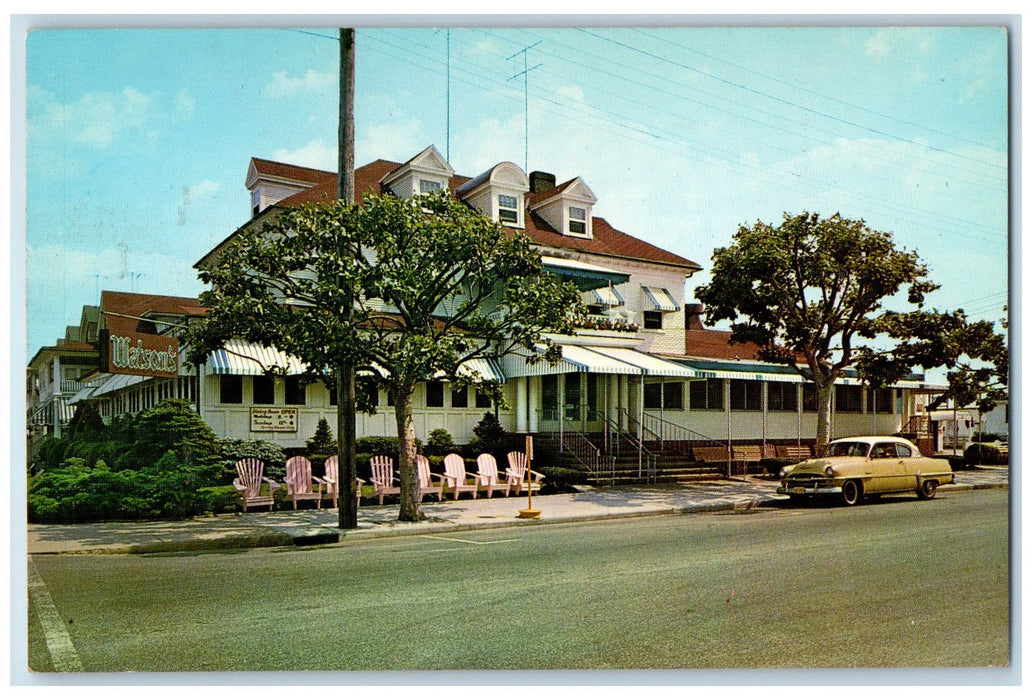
857 467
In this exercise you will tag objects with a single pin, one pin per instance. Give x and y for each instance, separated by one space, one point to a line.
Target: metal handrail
586 453
668 431
648 463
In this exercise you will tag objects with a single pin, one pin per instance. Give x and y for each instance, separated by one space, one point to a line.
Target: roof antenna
526 118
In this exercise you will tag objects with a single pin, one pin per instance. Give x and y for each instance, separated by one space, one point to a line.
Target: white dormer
271 182
498 193
424 173
567 208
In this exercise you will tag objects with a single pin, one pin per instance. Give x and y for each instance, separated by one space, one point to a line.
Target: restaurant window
231 388
879 401
811 398
263 390
573 395
550 397
673 396
847 399
652 320
707 395
294 391
654 396
483 399
745 395
460 397
782 396
435 394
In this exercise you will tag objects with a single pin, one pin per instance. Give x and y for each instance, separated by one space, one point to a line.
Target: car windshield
846 449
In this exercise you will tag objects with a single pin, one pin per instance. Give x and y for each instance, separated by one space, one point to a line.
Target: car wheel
927 490
851 493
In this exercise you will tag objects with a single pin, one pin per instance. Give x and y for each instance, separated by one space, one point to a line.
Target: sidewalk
311 526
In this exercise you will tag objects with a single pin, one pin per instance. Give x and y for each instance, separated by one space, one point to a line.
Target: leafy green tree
808 290
174 425
435 285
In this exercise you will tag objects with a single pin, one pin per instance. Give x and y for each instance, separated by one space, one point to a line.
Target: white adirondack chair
487 476
456 480
517 471
301 485
427 479
250 477
384 481
330 477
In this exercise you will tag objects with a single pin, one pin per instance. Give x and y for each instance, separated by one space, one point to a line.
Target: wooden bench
748 454
794 453
712 454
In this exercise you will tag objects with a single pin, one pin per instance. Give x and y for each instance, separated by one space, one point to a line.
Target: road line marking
457 539
59 643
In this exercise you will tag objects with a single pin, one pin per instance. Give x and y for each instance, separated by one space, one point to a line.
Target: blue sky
138 141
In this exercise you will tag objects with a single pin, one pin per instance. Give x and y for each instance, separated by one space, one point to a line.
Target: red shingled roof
130 304
606 240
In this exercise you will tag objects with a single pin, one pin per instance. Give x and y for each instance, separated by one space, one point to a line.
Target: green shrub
174 425
560 479
219 499
232 451
51 452
490 436
439 442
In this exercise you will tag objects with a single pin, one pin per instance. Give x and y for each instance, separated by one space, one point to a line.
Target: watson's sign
139 353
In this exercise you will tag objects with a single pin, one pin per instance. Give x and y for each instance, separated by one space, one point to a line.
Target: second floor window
578 220
652 320
428 186
507 211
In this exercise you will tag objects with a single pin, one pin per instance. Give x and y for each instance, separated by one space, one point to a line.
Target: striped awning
576 358
81 395
604 296
250 359
585 275
482 370
659 299
648 364
116 382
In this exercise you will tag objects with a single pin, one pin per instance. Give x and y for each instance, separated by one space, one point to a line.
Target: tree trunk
409 510
825 394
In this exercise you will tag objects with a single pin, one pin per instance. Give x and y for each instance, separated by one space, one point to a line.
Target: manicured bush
560 479
174 425
439 442
233 450
219 499
491 437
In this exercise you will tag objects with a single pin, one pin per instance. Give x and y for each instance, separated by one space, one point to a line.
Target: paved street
895 583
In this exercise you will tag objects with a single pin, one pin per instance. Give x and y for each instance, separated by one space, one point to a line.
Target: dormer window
578 220
508 213
256 201
428 186
498 193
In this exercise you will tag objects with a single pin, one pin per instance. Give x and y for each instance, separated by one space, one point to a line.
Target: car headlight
829 471
783 473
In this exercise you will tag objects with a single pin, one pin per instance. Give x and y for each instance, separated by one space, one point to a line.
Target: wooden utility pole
348 503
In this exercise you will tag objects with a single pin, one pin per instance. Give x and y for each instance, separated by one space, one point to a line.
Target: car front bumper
809 490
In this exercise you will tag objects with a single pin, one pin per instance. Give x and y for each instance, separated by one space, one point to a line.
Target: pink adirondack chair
427 479
330 477
250 477
384 481
517 471
487 476
456 480
301 485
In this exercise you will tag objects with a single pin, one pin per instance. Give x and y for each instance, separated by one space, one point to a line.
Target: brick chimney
693 316
541 182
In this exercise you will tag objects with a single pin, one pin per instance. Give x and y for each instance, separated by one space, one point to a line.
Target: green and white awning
659 299
250 359
597 360
604 296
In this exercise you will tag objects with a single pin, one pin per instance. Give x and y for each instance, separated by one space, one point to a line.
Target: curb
317 535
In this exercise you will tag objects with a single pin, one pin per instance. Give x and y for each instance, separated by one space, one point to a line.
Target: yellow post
529 511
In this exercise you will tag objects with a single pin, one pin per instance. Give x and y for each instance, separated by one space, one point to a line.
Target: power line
808 90
927 212
782 100
425 60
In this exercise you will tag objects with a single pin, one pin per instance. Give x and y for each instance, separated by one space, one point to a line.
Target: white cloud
892 40
314 154
283 85
193 194
185 103
395 140
94 120
573 92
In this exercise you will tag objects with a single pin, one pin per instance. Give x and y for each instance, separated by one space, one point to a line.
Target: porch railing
616 435
600 466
